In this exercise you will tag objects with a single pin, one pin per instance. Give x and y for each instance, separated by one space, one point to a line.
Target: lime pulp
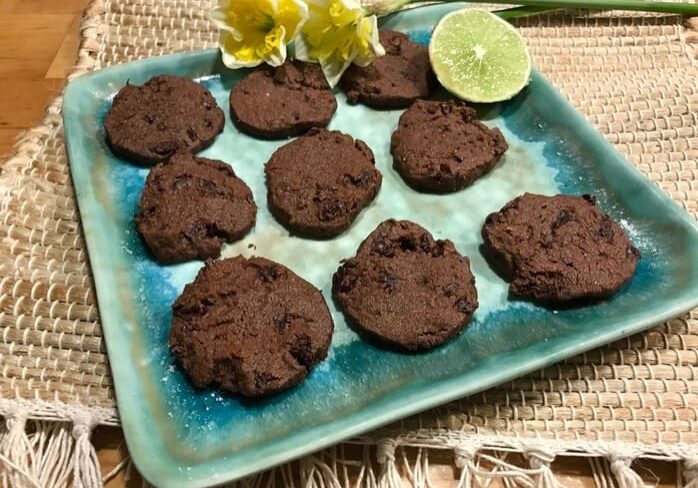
479 57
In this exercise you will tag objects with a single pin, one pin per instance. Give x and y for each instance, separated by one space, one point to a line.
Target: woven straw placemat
633 75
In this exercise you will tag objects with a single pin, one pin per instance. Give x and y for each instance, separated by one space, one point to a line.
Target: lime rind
479 57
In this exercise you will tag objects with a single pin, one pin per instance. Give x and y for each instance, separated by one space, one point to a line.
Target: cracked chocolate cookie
393 80
560 248
283 101
319 183
405 289
149 123
191 206
250 326
441 147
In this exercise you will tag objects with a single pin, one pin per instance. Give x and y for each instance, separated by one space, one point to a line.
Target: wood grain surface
38 45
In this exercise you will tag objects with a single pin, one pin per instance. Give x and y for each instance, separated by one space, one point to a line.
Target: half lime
479 57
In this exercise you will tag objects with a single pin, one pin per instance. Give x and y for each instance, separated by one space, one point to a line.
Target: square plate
180 436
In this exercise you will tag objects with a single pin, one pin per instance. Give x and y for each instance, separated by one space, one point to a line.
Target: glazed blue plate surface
180 436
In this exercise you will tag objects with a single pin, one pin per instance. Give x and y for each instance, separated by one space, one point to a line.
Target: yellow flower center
272 39
267 23
341 16
251 17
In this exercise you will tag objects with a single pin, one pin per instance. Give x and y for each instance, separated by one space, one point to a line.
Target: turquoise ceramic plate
180 436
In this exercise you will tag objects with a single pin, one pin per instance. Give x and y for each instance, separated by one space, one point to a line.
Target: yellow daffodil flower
336 34
253 32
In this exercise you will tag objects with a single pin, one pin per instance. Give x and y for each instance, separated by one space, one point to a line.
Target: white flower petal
383 7
376 46
333 71
277 58
303 10
218 19
223 6
301 49
351 4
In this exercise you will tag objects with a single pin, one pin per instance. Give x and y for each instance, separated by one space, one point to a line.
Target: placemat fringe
49 453
478 462
45 445
86 470
690 472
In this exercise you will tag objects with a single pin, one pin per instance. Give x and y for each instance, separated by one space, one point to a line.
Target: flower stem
640 5
516 12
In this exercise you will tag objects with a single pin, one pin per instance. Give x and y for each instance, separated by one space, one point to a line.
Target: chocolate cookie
560 248
284 101
319 183
190 206
441 146
394 80
250 326
405 289
147 124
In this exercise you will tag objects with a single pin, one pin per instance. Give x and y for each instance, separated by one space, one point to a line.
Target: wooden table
38 46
